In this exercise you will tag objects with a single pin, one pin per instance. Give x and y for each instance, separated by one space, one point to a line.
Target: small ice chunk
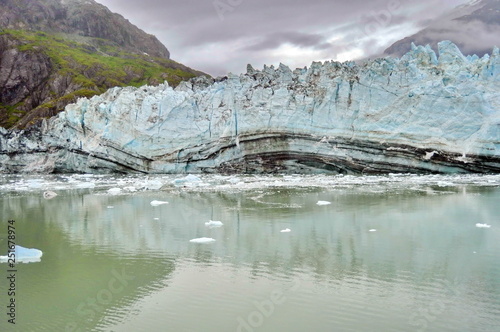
114 191
202 240
372 230
188 180
110 207
157 203
286 230
156 218
234 180
24 255
323 203
483 225
131 189
49 194
153 185
214 223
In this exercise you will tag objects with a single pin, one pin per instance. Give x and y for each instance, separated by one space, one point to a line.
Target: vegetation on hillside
88 70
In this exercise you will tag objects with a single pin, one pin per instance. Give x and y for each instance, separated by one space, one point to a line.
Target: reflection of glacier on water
390 241
256 208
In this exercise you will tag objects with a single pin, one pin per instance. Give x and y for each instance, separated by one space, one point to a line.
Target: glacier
421 113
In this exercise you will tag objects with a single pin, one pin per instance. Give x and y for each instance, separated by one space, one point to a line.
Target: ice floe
113 184
49 194
114 191
188 180
372 230
202 240
214 223
23 255
157 203
323 203
286 230
479 225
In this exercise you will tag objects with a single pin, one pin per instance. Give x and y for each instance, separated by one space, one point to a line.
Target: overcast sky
221 36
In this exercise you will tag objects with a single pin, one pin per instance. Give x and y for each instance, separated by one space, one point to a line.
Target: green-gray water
388 254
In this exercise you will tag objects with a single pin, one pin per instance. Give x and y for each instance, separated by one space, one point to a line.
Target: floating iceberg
214 223
483 225
24 255
189 180
286 230
323 203
114 191
49 194
157 203
372 230
202 240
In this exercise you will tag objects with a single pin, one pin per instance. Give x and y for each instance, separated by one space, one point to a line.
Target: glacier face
421 113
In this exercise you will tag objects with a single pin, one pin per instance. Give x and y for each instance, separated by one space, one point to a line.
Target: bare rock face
22 74
85 18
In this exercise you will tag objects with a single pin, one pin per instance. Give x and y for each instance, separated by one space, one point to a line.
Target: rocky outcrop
421 113
61 50
21 73
79 19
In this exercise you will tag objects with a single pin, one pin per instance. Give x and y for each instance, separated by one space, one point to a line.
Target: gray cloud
299 39
218 36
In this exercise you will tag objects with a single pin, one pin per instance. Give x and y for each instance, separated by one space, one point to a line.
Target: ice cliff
420 113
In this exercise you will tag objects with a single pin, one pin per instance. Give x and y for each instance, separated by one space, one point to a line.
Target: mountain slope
474 27
84 21
52 52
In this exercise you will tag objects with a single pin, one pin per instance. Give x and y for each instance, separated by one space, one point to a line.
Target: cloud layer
220 36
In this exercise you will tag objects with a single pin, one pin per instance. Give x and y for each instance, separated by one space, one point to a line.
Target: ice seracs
202 240
158 203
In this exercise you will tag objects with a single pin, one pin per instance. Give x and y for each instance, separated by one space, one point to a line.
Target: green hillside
84 69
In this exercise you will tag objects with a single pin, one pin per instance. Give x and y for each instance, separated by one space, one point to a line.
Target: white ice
286 230
372 230
24 255
202 240
49 194
188 180
483 225
214 223
114 191
323 203
157 203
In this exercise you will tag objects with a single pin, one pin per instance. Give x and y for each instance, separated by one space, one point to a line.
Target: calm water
116 263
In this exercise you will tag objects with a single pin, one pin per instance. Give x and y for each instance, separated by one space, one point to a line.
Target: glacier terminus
422 113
